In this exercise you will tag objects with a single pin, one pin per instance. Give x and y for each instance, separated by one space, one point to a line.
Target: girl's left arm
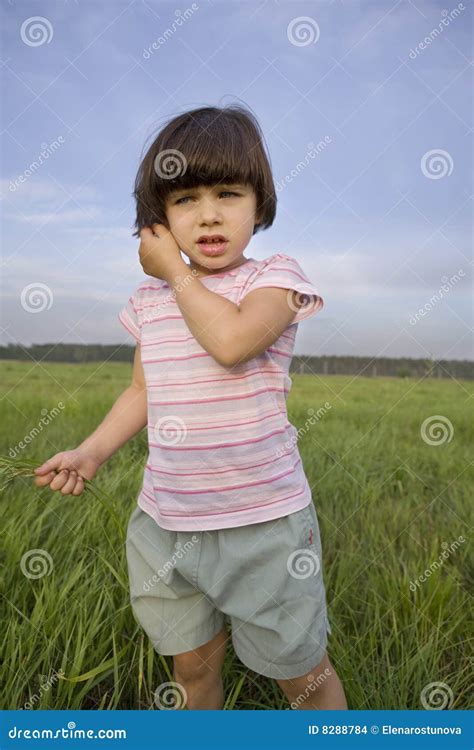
230 333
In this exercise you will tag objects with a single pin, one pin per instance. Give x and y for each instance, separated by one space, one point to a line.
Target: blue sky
379 217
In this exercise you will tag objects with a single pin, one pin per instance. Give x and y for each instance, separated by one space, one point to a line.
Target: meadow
392 492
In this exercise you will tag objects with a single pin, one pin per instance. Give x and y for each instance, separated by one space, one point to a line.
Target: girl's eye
224 192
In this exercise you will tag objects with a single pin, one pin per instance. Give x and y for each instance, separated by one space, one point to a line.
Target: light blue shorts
266 579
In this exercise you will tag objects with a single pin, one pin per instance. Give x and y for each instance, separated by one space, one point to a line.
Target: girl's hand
66 471
160 255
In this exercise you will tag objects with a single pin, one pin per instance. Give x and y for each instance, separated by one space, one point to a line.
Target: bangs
211 156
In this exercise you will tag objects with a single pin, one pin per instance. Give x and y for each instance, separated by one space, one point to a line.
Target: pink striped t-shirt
222 452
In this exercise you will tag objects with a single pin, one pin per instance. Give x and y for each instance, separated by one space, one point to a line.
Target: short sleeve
285 272
129 318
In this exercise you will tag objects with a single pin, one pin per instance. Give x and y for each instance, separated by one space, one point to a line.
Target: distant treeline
326 365
75 353
383 366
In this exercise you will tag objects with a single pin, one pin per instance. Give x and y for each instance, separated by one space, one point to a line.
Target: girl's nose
209 211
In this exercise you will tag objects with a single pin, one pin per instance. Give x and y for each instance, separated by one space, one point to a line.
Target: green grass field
389 504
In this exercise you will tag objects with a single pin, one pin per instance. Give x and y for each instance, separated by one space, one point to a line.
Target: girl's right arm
67 470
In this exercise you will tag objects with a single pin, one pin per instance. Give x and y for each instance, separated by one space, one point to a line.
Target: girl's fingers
70 484
42 481
79 486
67 481
60 480
41 469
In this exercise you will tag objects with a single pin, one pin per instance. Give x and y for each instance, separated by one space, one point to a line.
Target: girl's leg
199 673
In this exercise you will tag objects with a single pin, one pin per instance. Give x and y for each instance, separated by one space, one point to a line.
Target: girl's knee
191 668
204 662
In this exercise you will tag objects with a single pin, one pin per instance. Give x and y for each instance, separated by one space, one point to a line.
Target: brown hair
205 146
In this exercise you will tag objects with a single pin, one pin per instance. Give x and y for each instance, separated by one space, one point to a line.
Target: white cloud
38 192
62 217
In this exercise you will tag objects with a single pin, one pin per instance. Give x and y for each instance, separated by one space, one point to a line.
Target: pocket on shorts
149 552
311 542
311 538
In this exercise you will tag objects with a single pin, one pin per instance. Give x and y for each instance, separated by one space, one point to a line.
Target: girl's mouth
217 247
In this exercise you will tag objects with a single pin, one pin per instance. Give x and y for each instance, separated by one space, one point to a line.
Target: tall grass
387 502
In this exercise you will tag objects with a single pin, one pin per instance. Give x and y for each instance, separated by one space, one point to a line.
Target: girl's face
227 210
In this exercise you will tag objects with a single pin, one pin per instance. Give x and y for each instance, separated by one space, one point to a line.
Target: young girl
225 530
